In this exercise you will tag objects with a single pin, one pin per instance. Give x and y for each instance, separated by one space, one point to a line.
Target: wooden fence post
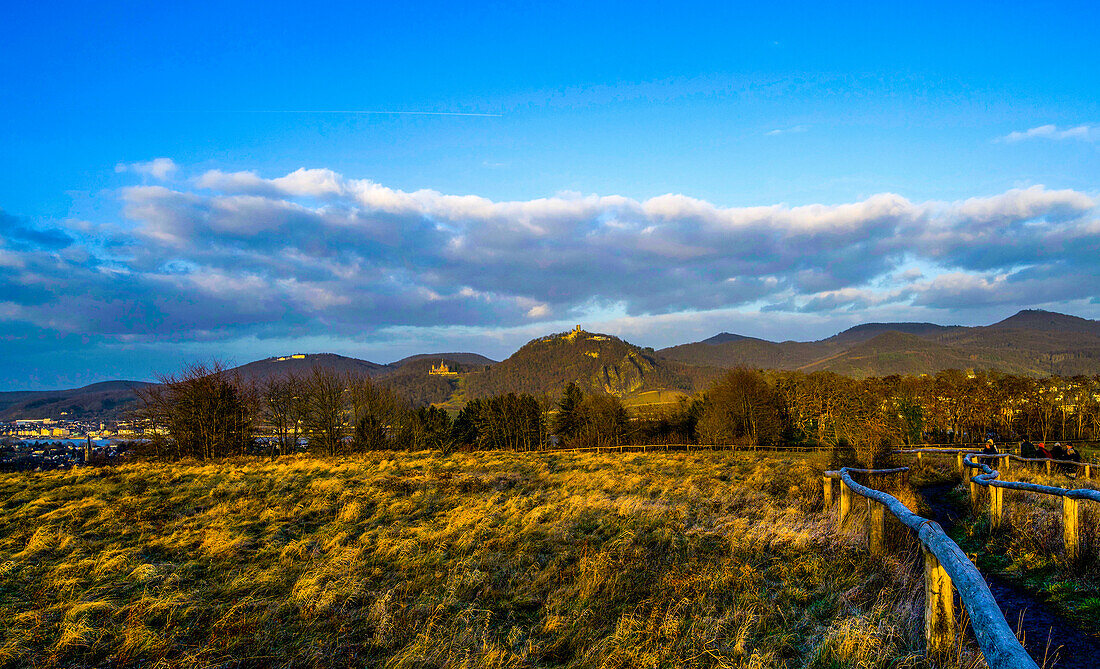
996 506
1048 467
962 466
974 492
1071 520
920 459
845 503
1007 463
828 481
876 527
1088 471
939 607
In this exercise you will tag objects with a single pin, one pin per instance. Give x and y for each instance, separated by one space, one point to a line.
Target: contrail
359 111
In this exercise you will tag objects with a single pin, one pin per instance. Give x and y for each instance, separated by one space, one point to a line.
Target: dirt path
1070 646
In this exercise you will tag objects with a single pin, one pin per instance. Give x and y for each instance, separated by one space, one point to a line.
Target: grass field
425 560
655 399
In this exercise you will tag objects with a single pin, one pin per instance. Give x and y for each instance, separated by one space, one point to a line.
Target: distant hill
1047 321
407 377
461 358
750 352
410 378
596 362
302 364
1031 342
895 353
99 401
723 337
871 330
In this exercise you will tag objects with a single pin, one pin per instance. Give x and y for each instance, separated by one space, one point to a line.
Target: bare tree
326 411
742 408
282 411
603 421
202 412
380 419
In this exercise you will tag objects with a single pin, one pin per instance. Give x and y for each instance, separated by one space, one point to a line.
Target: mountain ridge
1030 342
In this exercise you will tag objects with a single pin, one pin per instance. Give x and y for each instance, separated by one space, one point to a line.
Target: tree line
208 412
875 414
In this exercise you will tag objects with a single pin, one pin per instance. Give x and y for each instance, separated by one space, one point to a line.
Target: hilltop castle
441 370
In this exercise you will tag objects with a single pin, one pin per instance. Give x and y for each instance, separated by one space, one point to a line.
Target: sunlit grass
472 560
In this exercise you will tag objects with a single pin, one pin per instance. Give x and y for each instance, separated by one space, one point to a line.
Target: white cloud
313 251
158 168
538 311
787 131
235 182
1084 133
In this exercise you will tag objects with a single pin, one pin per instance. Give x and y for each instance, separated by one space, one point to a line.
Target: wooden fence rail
946 568
1084 468
644 448
1071 500
989 478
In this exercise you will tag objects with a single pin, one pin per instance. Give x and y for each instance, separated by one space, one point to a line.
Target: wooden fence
646 448
1071 500
1083 468
989 479
946 569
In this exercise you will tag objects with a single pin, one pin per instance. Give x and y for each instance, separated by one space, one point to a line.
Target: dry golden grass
426 560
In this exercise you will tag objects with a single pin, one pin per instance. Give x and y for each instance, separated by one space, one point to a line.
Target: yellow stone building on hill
441 370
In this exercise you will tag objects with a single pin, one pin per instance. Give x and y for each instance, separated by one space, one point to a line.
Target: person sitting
1041 447
1058 452
1028 450
1071 455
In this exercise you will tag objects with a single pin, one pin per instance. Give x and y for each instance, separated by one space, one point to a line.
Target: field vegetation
423 559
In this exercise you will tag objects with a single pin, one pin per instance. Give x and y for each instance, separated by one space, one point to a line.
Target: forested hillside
304 363
99 401
413 382
595 362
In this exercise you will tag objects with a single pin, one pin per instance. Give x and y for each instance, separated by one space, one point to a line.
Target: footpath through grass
426 560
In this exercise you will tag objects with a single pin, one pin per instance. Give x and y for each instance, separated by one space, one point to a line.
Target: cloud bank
231 255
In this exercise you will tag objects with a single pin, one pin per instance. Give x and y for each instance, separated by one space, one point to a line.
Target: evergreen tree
569 419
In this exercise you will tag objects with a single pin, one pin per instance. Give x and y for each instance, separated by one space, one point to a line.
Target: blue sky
180 182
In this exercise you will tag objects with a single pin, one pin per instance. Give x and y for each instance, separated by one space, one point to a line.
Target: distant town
45 443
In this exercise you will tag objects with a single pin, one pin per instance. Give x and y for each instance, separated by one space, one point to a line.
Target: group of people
1057 452
1065 453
